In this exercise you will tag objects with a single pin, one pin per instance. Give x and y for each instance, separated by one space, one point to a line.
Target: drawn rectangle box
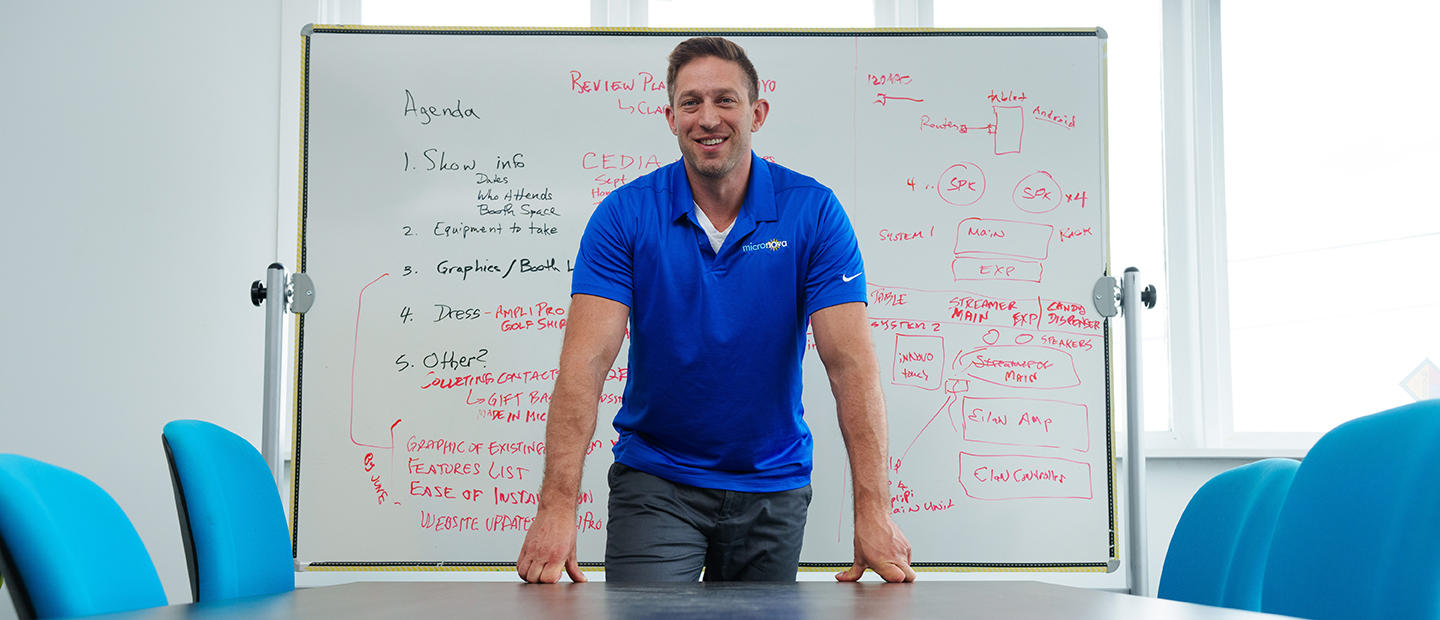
1026 422
1003 238
1011 269
1009 128
1016 476
919 361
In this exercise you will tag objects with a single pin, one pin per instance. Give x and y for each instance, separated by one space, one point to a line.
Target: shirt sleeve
836 272
605 264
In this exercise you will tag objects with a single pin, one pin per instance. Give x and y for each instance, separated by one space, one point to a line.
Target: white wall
138 145
139 192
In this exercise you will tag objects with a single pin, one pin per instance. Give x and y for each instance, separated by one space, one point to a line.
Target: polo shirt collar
759 203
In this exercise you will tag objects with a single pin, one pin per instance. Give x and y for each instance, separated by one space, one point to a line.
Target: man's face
713 116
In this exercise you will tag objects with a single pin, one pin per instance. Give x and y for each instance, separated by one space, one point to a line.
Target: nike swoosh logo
849 278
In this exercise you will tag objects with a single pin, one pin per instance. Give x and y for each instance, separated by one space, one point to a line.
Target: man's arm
594 332
842 336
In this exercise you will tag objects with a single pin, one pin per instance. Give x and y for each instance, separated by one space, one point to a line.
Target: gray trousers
664 531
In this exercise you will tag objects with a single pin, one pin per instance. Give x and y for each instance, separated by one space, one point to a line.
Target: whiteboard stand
279 294
1130 297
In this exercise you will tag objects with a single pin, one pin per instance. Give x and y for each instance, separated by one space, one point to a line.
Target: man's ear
760 110
670 118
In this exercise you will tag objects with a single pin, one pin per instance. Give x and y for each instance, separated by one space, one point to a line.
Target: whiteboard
449 174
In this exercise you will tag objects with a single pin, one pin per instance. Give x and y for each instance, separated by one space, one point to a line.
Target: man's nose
709 116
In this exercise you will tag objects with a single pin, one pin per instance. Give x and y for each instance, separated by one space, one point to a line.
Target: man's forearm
842 335
569 427
861 409
592 340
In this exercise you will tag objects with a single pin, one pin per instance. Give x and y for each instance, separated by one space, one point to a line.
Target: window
1333 229
762 14
554 13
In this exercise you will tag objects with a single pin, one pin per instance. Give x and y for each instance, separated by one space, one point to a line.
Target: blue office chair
66 547
1359 535
1217 555
231 521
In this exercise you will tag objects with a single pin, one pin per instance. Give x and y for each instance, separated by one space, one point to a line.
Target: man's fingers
851 575
552 571
572 563
533 575
889 572
894 572
573 568
549 572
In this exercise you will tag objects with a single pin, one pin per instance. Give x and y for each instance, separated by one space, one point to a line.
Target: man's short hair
702 47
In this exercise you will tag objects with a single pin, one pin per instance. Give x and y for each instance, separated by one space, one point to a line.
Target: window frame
1196 257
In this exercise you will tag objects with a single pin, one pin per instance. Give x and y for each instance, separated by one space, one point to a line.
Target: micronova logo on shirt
774 245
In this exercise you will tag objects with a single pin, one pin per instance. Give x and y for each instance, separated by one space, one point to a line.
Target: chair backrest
66 547
1359 535
1217 555
231 519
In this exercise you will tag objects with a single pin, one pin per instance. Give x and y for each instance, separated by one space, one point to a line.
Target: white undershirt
717 237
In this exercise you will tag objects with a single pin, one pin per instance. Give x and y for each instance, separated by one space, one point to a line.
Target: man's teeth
712 141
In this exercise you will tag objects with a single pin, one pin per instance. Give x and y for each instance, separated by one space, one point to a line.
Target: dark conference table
1018 600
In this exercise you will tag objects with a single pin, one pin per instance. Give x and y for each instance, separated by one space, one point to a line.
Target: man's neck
720 199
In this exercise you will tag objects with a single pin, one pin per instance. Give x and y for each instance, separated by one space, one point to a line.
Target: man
717 263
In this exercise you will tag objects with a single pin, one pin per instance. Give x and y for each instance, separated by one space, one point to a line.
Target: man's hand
549 549
881 547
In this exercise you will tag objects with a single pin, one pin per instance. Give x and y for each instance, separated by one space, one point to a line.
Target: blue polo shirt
716 339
